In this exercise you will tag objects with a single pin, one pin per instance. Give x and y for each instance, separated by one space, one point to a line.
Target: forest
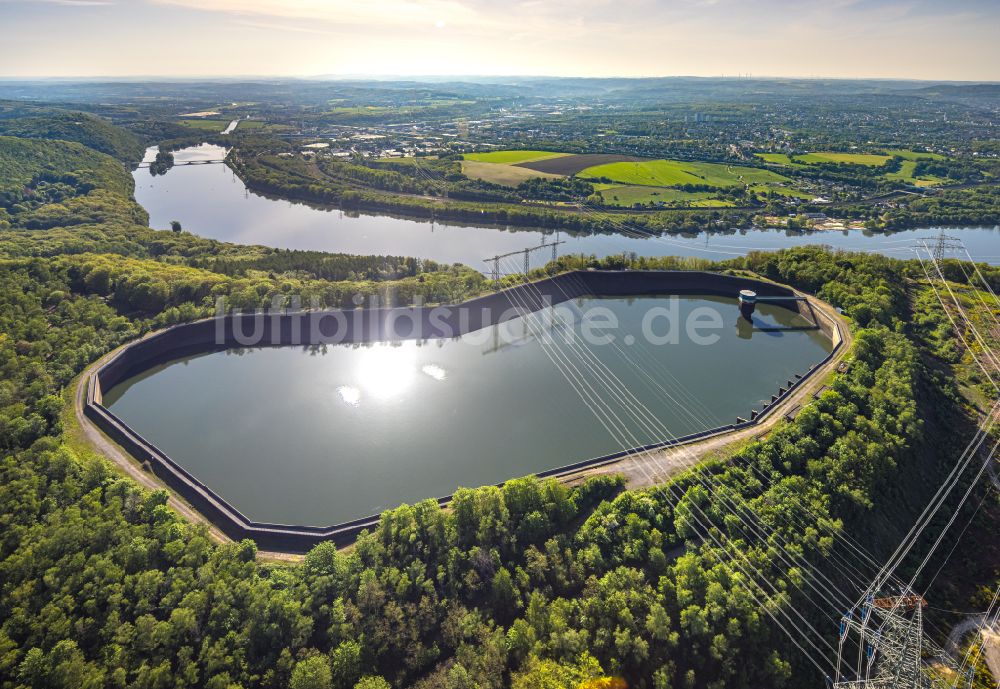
49 184
35 121
532 583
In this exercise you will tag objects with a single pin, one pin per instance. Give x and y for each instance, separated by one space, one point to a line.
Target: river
211 201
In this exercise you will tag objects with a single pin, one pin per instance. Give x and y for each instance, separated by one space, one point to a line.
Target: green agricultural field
627 196
497 173
870 159
913 155
665 173
905 174
512 157
712 203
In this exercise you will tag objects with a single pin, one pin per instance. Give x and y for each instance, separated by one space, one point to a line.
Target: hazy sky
924 39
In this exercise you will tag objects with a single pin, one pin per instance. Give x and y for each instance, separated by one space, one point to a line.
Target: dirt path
990 638
960 630
991 652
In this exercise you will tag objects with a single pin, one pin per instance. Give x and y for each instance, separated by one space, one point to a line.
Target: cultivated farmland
778 159
571 164
512 157
905 174
496 173
790 192
665 173
870 159
914 155
628 196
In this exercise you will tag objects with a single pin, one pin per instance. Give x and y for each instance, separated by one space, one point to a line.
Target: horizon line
469 77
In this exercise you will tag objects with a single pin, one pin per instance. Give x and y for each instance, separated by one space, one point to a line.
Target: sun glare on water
435 371
386 374
351 396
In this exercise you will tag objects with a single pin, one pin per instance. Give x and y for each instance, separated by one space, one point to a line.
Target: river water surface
211 201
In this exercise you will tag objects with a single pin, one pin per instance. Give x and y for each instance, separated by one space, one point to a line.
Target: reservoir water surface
320 436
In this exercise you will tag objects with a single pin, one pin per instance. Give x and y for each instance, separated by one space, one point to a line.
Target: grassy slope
905 174
914 155
782 191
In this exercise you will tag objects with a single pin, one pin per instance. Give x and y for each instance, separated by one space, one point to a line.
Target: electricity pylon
495 274
890 643
943 243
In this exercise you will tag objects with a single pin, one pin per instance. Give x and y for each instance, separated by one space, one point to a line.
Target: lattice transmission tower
495 274
890 634
943 244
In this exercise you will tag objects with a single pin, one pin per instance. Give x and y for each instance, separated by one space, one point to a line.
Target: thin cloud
65 3
392 12
274 26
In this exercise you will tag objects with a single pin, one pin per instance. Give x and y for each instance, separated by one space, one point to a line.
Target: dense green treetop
38 122
60 183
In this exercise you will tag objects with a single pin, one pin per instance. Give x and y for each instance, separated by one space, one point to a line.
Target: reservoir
211 201
317 436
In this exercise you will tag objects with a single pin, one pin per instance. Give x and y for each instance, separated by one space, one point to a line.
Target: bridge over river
145 164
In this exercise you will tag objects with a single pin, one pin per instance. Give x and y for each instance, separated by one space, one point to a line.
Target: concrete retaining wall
379 324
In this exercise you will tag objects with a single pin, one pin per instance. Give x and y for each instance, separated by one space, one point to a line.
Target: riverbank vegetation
654 196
